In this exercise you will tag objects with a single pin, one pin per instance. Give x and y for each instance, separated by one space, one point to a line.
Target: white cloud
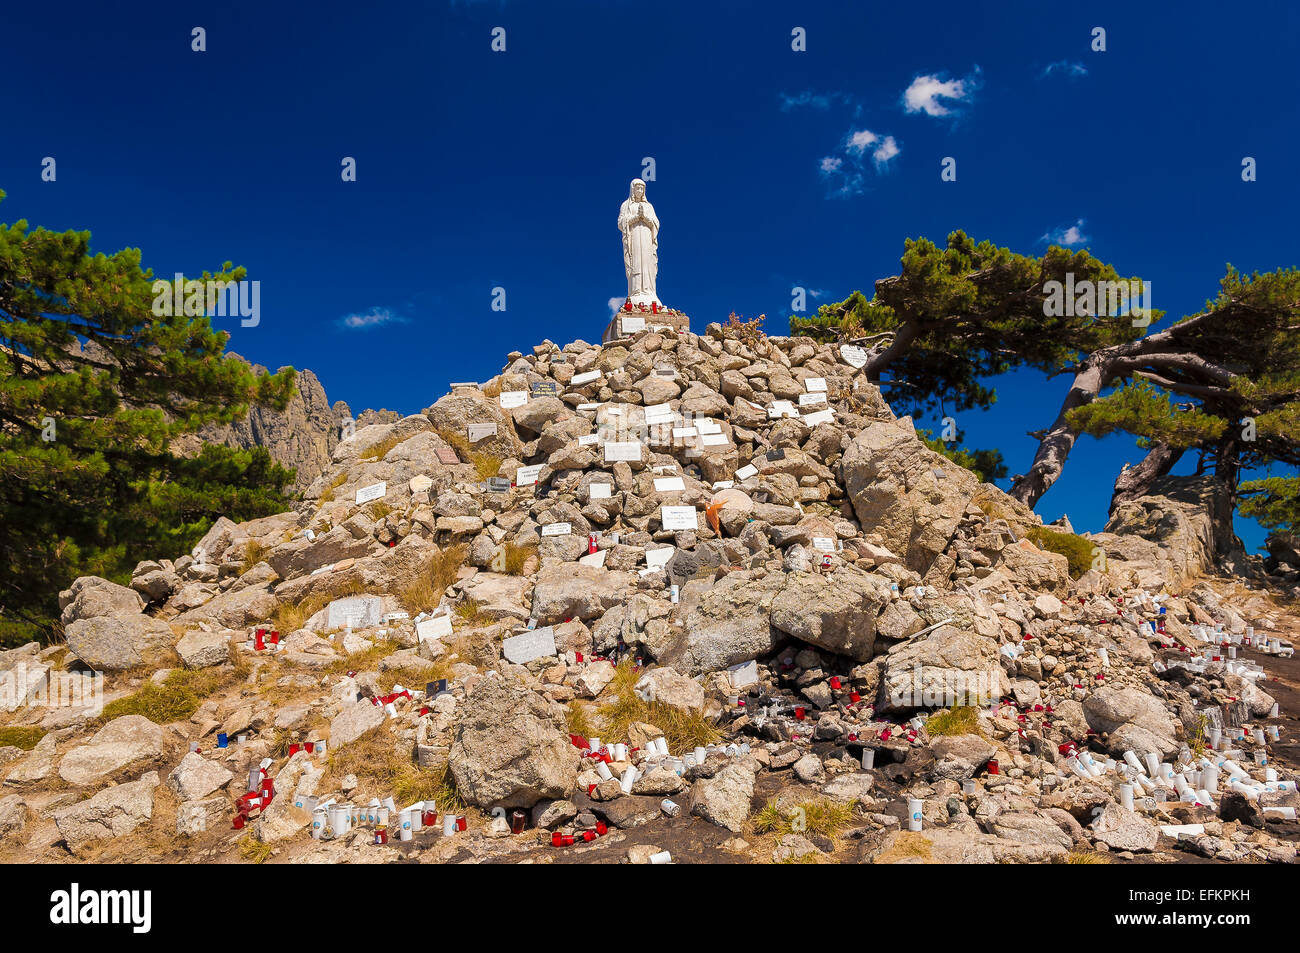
858 141
886 151
1066 67
616 305
374 318
926 91
831 164
1069 235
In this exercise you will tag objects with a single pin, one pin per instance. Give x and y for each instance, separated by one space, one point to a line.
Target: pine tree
94 388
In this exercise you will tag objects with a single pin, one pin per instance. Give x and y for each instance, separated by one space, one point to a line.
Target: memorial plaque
594 559
527 476
544 388
808 400
747 471
599 491
627 450
477 432
667 372
724 485
853 355
373 492
778 454
815 384
670 484
527 646
659 414
681 432
821 417
706 425
654 558
823 543
781 408
434 628
679 517
498 485
433 690
631 325
447 455
714 440
588 439
358 611
557 529
513 398
586 377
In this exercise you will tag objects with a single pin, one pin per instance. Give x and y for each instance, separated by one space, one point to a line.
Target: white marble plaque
747 471
588 439
707 426
853 355
682 432
815 384
823 543
670 484
599 491
781 408
434 628
358 611
373 492
586 377
724 485
513 398
807 400
477 432
527 476
679 517
821 417
632 325
594 559
526 646
659 414
714 440
627 450
557 529
654 558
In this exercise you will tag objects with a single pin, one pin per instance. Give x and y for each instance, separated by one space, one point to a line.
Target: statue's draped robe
640 228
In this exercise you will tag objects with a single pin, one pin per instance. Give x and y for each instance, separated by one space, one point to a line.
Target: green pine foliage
94 389
965 312
1275 502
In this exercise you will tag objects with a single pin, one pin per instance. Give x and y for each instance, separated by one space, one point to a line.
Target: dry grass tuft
963 720
424 593
818 816
1086 857
380 450
381 769
682 729
254 553
327 494
517 556
577 719
907 844
253 850
21 737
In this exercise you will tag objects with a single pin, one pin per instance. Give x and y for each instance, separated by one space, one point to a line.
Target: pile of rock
775 559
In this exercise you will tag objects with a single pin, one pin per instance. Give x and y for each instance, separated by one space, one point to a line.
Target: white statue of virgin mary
640 228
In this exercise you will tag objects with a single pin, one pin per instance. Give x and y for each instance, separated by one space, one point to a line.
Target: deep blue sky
479 169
